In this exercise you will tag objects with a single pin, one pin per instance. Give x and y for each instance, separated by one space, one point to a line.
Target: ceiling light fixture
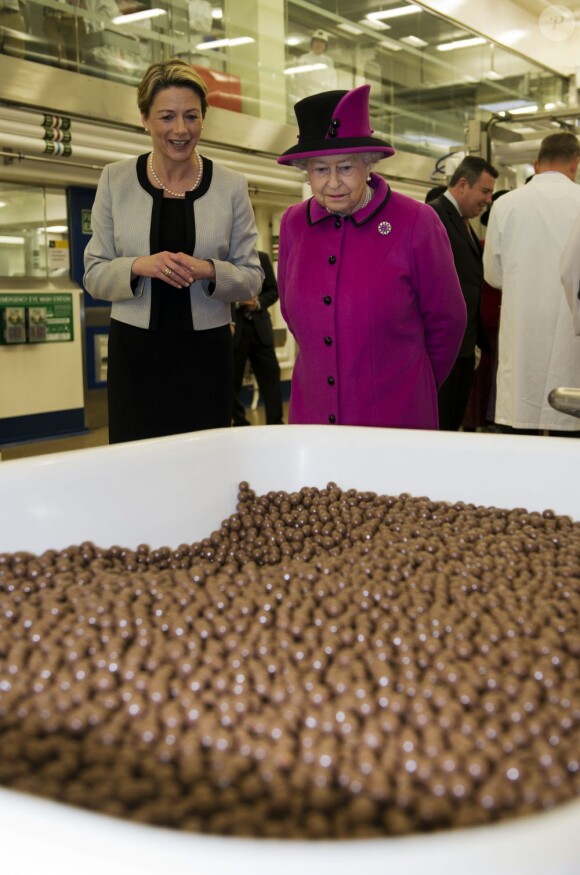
304 68
217 12
517 105
350 28
391 44
461 44
138 16
523 110
397 12
219 43
375 24
414 41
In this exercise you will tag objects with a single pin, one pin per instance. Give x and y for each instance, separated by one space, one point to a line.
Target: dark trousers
267 372
453 395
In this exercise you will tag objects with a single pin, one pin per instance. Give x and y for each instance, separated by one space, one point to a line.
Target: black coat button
332 259
328 341
327 299
332 418
338 223
331 381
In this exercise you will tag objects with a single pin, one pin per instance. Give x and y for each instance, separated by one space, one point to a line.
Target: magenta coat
374 303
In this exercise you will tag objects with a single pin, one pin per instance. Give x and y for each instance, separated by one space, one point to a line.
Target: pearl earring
369 178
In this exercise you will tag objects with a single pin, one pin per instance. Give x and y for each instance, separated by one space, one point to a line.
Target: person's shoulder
127 165
517 199
403 201
296 211
412 207
120 173
440 204
222 173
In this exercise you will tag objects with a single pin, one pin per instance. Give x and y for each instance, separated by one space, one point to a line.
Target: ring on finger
167 271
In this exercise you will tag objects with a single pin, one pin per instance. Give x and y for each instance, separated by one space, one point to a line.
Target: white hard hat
320 34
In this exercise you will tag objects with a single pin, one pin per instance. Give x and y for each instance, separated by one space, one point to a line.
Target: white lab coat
312 81
537 350
570 274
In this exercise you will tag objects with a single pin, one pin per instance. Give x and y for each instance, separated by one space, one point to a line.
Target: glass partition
33 232
428 76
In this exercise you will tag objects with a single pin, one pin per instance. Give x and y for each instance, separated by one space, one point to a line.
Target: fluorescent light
415 41
12 241
375 24
461 44
217 12
510 106
241 41
410 9
492 75
56 229
294 40
304 68
219 43
391 44
522 110
2 204
138 16
350 28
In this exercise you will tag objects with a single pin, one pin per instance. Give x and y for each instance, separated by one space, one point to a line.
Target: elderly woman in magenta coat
366 277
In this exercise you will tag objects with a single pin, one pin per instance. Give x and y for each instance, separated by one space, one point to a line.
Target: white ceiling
531 28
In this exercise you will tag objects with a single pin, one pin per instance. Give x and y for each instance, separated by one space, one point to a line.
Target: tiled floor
92 438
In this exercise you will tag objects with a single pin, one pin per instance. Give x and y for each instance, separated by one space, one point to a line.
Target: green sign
86 221
36 318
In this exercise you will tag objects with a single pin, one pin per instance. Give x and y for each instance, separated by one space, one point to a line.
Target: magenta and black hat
334 122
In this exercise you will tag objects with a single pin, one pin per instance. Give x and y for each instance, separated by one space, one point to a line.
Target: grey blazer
124 218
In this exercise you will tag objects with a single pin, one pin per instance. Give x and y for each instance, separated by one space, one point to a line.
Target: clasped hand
175 268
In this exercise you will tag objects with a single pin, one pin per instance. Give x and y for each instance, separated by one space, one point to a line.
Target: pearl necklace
365 201
168 190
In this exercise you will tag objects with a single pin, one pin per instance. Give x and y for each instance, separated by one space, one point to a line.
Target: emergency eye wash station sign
33 318
41 362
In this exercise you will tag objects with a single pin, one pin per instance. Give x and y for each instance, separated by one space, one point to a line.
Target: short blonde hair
173 73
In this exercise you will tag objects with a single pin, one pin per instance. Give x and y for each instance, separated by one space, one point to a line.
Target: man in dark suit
468 194
254 340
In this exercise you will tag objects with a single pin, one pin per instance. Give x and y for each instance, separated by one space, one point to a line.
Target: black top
171 306
162 219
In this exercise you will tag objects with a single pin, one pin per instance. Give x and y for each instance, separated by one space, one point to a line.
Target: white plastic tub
175 490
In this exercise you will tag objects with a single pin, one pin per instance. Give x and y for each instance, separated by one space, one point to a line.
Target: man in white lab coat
318 73
570 274
527 231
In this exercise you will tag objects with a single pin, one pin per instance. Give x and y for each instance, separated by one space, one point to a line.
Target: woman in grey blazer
173 246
